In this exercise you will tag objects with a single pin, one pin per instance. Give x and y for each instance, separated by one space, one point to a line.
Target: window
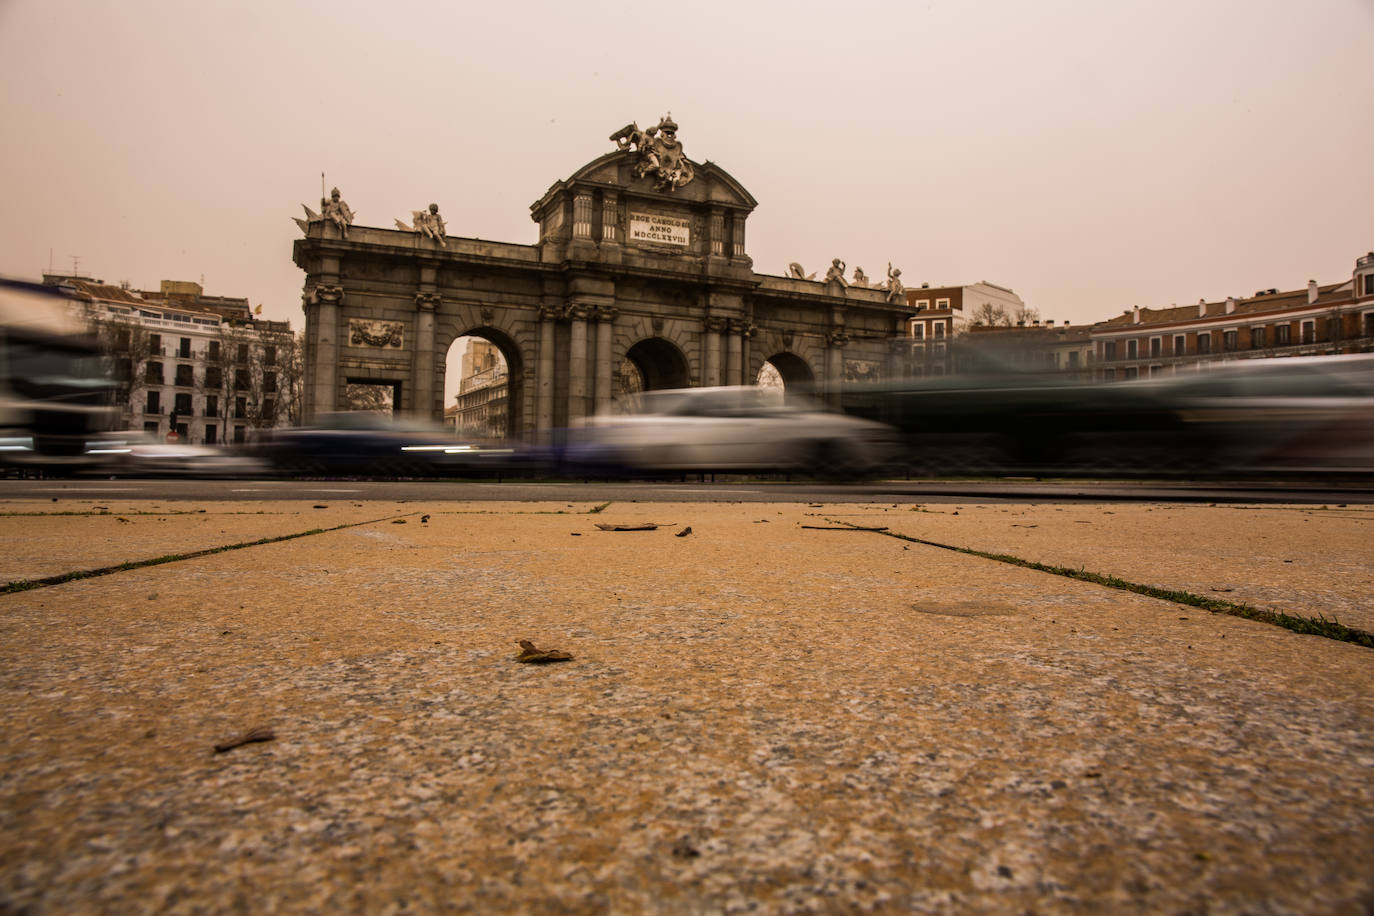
240 434
1131 351
154 403
939 329
240 408
1180 345
1283 335
1109 375
211 406
1131 372
923 303
1109 350
942 303
1073 359
1257 338
152 374
269 356
184 351
123 369
241 379
1369 284
155 344
184 375
269 410
211 433
212 352
1309 332
150 426
214 377
269 382
1204 342
1156 347
1156 371
1229 341
918 330
123 340
183 405
241 356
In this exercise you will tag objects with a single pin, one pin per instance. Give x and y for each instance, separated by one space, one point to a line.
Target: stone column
577 361
327 299
834 364
610 217
711 350
544 381
582 216
422 369
734 371
605 319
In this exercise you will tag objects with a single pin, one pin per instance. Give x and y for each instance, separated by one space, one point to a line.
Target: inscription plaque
660 230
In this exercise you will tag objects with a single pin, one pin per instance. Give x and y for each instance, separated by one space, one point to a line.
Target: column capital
428 302
742 327
577 311
607 313
327 294
550 313
715 324
837 338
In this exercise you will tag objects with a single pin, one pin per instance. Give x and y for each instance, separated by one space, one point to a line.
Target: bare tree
990 315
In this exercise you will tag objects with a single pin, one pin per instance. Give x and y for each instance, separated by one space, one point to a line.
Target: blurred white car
730 429
137 453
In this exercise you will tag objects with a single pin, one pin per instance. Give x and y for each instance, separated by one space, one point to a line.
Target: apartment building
1315 321
202 367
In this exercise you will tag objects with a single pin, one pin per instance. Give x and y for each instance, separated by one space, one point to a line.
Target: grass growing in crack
1313 626
24 585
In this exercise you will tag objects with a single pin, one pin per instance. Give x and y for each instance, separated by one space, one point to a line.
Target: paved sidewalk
770 712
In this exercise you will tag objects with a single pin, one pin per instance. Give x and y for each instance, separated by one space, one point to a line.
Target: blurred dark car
363 443
1011 423
1289 416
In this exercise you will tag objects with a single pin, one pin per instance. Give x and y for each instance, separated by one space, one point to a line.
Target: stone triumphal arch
641 256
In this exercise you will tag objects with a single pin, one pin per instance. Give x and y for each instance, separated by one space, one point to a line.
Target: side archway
492 404
794 371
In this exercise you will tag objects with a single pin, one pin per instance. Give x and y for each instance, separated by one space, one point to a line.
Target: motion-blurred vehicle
134 453
1292 415
366 443
53 394
741 429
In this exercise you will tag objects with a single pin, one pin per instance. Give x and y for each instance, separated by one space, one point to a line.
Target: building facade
200 366
1316 321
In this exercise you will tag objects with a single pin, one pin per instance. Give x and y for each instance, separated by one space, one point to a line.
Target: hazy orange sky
1089 155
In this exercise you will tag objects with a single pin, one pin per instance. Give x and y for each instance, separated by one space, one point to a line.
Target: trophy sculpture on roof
659 153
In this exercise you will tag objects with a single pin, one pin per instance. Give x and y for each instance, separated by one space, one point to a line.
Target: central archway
660 364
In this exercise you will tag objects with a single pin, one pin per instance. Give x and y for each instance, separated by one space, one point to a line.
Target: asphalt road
688 490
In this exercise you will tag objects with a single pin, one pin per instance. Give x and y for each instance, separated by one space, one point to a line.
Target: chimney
1311 291
1202 308
1230 304
1135 314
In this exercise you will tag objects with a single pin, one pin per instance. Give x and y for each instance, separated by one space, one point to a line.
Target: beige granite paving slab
759 716
40 538
1304 560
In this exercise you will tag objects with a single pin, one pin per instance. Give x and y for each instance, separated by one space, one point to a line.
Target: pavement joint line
1310 626
24 585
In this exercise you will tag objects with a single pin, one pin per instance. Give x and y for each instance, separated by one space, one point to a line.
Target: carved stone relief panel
388 335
